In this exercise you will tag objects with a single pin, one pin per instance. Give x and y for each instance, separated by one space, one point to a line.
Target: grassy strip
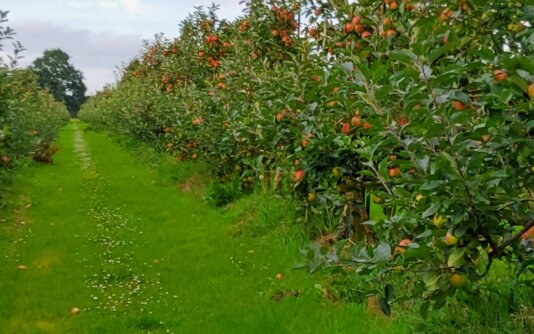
117 239
126 238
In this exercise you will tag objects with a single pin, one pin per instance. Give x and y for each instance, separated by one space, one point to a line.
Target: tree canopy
64 81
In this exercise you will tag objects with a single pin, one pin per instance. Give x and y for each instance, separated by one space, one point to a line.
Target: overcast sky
99 35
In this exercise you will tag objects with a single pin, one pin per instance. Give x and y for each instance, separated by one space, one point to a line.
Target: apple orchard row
425 107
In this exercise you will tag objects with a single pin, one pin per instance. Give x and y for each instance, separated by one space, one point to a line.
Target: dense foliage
424 107
61 78
29 117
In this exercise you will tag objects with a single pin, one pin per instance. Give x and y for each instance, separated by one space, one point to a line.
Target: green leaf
431 210
456 258
519 82
423 310
425 234
298 266
348 67
423 163
450 159
382 253
404 56
441 51
430 279
525 75
425 72
365 71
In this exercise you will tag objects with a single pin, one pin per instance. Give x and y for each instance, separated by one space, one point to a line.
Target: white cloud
133 6
97 55
108 5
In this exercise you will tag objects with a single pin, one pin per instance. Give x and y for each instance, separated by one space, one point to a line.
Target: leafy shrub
30 119
424 107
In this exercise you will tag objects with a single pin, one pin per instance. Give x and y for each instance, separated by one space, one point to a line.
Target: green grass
119 240
123 233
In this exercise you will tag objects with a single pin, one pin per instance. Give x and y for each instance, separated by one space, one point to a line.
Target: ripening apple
356 121
450 239
279 276
438 220
212 39
332 103
528 234
458 280
367 125
358 28
336 171
345 129
376 199
75 311
459 105
499 75
299 175
394 172
446 14
531 90
405 242
366 34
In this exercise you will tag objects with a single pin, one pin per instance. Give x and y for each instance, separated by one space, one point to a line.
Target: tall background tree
63 80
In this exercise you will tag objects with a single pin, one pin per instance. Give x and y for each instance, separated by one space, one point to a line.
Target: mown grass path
105 233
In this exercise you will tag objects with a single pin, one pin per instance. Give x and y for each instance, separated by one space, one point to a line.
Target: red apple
299 175
345 129
394 172
499 75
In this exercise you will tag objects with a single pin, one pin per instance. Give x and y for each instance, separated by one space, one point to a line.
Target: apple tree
446 87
